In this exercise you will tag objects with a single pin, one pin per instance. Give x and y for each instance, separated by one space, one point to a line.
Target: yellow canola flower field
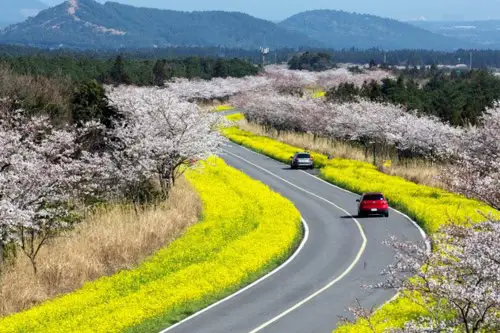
223 107
235 117
430 207
246 231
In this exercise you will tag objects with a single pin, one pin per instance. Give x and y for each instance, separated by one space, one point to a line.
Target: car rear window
303 156
373 197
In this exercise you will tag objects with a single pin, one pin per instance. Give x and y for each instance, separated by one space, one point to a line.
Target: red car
373 203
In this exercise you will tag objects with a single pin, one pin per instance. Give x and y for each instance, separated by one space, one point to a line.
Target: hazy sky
277 10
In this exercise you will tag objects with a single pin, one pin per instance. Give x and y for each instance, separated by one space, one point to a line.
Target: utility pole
264 52
470 60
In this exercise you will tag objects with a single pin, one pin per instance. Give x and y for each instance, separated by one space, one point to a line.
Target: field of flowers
246 231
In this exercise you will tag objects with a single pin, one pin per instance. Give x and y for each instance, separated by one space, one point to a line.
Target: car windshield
303 156
373 197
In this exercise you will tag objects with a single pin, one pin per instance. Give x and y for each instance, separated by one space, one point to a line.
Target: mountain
89 24
18 10
339 29
483 33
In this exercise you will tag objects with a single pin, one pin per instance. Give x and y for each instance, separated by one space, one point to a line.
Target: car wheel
361 214
386 214
293 167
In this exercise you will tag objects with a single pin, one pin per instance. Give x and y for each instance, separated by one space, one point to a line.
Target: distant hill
89 24
484 33
14 11
338 29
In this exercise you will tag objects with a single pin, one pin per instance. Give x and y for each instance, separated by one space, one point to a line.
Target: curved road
340 254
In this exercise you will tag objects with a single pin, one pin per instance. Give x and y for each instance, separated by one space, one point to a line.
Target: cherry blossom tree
325 79
217 88
278 78
42 169
161 134
476 172
457 284
365 122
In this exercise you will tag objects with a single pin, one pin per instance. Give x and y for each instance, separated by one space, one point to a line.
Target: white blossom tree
366 122
42 169
476 172
161 134
458 283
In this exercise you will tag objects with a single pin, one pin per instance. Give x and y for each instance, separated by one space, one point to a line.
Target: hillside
338 29
483 33
89 24
18 10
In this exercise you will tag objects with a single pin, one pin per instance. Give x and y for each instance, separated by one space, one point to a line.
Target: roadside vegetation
112 238
213 259
97 225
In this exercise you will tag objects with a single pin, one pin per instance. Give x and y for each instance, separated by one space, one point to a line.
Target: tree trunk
374 154
1 254
33 264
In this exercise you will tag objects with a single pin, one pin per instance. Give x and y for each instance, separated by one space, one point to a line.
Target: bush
246 231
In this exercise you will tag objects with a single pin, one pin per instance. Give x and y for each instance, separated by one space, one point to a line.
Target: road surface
341 253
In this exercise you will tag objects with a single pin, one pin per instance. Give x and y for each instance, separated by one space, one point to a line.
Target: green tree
159 73
90 102
221 68
118 74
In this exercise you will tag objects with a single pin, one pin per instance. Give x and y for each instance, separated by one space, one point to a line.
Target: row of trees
473 152
273 77
48 173
457 99
120 70
405 57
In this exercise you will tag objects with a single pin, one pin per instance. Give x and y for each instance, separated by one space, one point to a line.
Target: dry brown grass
416 170
109 240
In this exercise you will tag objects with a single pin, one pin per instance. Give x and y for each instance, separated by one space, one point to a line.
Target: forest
121 69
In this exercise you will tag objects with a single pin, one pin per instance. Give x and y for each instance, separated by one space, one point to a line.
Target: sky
278 10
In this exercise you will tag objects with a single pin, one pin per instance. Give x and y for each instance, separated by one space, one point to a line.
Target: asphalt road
341 253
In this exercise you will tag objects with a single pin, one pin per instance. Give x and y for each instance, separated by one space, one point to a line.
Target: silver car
302 160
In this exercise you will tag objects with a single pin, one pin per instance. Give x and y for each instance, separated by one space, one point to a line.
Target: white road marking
286 263
329 285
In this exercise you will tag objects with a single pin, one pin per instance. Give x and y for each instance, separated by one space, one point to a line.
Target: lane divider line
329 285
268 275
